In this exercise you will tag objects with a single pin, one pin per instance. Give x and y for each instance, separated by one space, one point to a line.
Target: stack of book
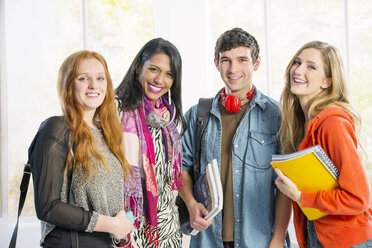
208 191
311 170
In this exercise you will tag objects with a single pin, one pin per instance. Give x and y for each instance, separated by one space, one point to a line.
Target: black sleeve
48 164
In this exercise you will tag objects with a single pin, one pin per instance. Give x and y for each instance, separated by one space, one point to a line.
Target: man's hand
197 213
197 210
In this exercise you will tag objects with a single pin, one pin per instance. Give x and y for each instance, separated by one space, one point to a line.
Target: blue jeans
313 241
367 244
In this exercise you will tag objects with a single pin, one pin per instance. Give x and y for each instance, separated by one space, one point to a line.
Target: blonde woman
316 111
80 153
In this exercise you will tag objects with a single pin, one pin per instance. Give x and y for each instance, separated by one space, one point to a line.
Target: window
281 27
293 24
118 30
39 35
360 55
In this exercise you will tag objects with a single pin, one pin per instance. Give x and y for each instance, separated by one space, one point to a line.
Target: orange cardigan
350 206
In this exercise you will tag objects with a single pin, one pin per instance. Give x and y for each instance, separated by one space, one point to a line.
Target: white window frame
3 118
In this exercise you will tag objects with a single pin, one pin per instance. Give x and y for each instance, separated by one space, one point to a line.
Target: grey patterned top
102 193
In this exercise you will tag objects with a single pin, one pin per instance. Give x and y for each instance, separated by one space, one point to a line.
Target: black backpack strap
203 112
204 107
23 188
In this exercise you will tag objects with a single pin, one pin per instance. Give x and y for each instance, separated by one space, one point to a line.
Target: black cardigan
48 164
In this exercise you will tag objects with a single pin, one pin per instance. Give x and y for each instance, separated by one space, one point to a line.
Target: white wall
176 23
174 20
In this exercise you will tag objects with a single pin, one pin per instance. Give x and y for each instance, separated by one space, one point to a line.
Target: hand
287 187
121 226
197 212
274 244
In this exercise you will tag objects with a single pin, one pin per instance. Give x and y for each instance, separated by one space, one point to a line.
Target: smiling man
241 135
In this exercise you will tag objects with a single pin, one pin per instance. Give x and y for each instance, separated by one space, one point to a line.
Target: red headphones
232 103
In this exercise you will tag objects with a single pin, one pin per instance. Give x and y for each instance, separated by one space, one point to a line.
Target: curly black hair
234 38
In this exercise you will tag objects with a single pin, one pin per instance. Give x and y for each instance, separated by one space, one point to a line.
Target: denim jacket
253 178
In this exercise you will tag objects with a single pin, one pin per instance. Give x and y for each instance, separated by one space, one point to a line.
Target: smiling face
236 68
90 85
155 77
307 76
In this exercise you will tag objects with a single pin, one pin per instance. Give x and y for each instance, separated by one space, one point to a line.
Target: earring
169 97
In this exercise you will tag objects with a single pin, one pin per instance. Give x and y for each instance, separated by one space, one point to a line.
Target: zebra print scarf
141 194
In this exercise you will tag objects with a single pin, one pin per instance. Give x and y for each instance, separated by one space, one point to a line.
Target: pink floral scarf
141 193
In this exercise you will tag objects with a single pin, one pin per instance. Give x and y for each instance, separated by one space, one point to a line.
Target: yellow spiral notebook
311 170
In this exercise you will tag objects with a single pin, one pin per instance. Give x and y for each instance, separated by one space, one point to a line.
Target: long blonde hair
81 137
292 129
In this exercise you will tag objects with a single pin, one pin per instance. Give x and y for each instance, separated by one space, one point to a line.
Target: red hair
81 137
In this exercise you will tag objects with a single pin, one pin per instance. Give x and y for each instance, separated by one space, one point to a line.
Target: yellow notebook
311 170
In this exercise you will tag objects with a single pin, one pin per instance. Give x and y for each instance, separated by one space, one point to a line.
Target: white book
208 191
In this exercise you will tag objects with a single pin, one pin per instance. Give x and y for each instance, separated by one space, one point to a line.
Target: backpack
204 107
